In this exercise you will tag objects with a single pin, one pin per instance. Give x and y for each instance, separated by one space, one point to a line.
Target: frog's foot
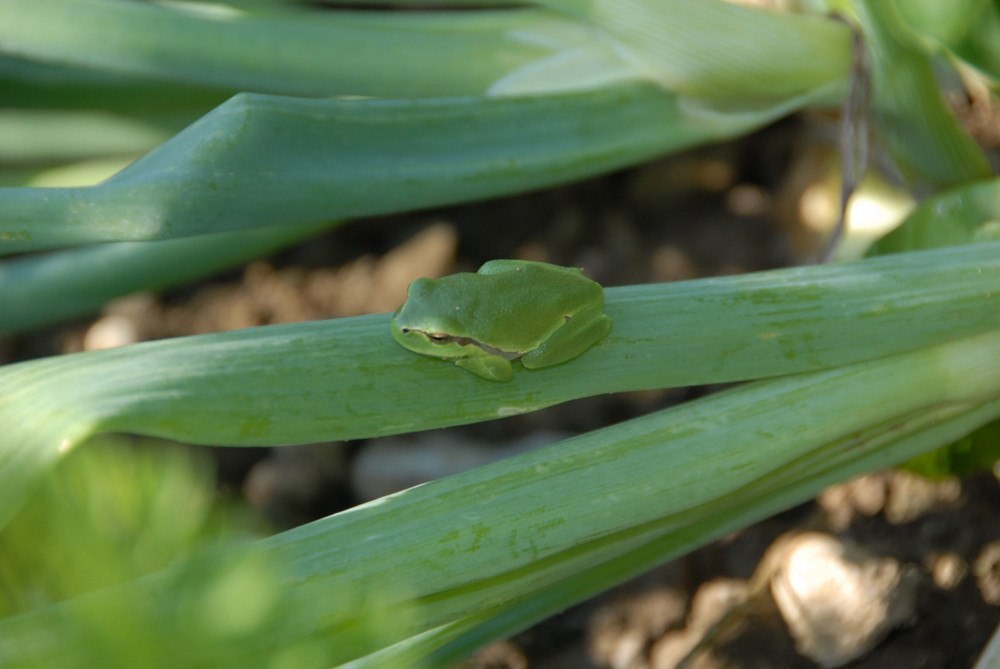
489 367
583 331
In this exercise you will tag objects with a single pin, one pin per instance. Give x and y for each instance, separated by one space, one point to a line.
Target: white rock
110 331
839 601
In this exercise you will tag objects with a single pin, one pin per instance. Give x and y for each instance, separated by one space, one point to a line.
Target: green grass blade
444 646
958 216
981 46
317 160
725 52
347 378
297 51
282 50
44 289
36 85
969 29
260 161
438 553
47 135
912 118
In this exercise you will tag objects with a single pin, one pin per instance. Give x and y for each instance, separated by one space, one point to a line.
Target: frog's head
421 326
438 344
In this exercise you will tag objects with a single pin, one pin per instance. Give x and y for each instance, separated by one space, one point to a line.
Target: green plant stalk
724 53
949 25
980 47
288 51
316 160
443 646
260 161
961 215
294 51
912 118
347 378
446 550
44 289
35 136
36 85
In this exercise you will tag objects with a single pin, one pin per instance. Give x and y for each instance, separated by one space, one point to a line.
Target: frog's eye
438 338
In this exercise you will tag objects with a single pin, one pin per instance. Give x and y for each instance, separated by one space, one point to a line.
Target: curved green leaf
260 161
44 289
347 378
430 558
959 216
283 50
735 56
912 118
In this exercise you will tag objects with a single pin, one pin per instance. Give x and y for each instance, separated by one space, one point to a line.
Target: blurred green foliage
115 509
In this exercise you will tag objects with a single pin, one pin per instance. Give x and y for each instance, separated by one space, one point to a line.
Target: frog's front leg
578 334
489 367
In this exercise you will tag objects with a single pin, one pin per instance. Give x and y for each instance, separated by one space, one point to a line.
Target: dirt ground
751 205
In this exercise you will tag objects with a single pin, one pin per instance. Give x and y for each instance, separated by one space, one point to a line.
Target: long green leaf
44 289
438 553
36 135
261 161
42 85
289 51
912 118
958 216
731 55
347 378
893 444
968 29
294 51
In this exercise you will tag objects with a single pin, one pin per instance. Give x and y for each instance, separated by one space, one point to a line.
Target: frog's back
534 298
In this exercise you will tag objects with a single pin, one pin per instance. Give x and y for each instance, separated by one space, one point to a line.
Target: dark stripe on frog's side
468 341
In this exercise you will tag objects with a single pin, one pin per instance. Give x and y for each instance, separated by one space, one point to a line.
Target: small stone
838 600
713 601
110 332
499 655
621 631
912 496
865 496
948 570
987 570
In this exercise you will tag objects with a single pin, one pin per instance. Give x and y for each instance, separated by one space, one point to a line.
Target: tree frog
537 313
